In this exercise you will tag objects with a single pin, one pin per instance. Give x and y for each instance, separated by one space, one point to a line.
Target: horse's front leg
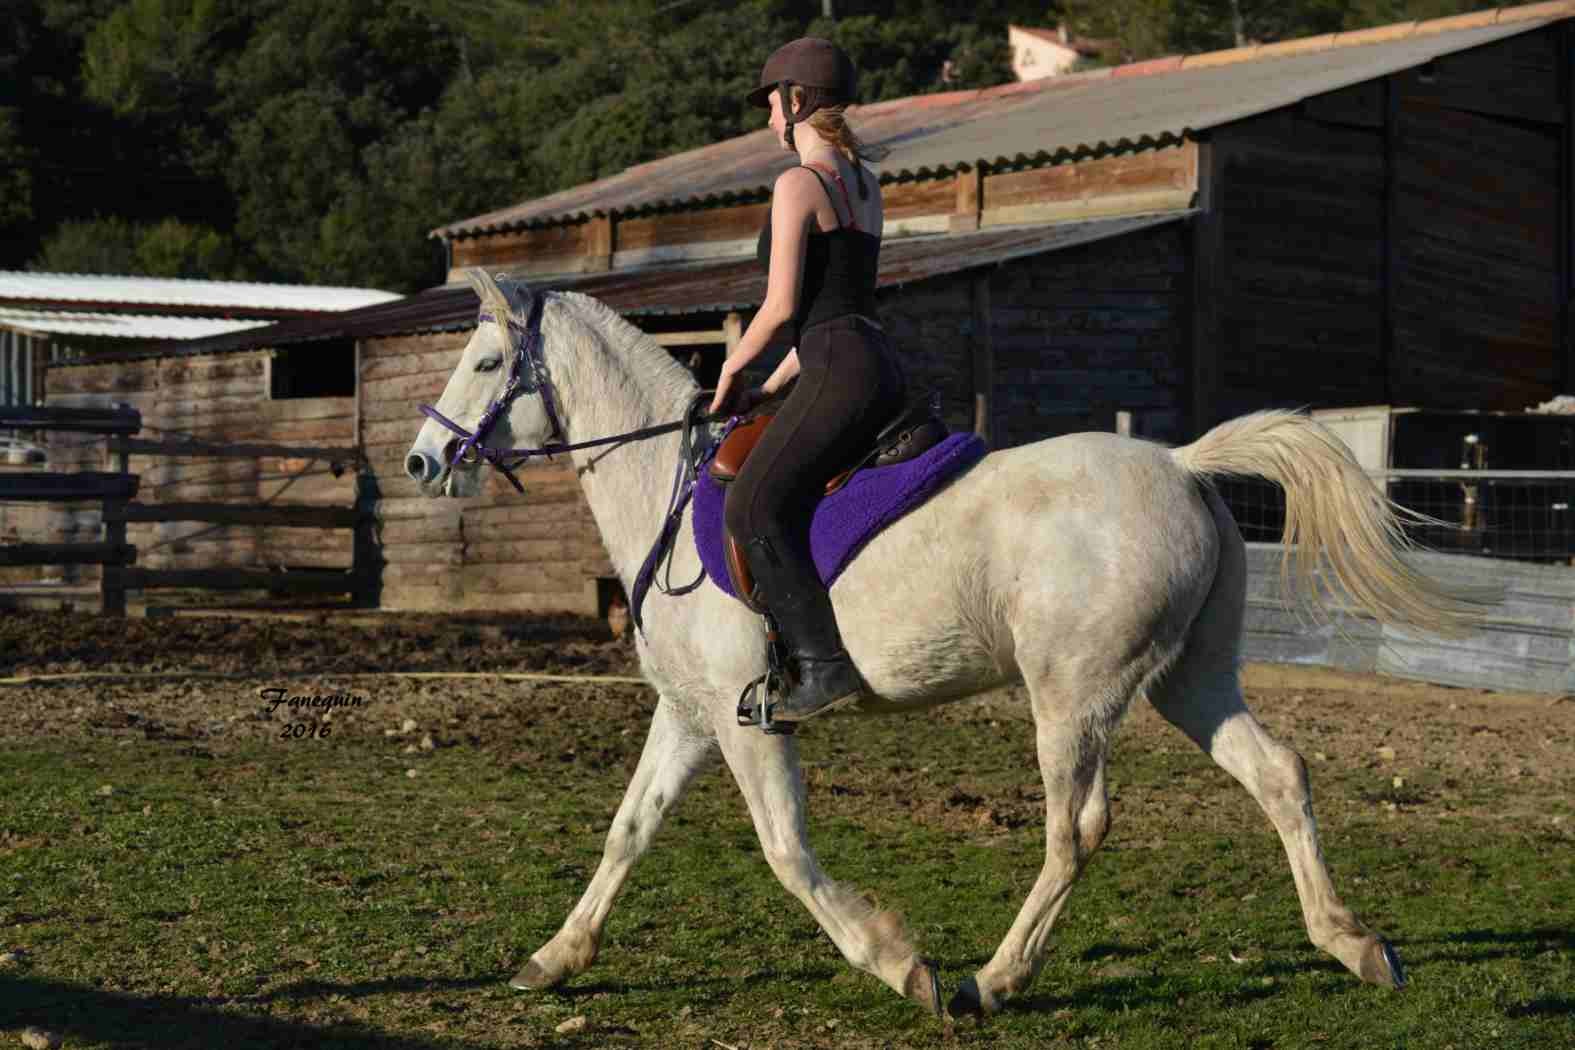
767 771
674 753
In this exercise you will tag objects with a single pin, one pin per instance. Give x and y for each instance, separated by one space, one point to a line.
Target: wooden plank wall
1085 332
212 397
539 552
1299 311
1526 644
1133 183
93 386
1476 229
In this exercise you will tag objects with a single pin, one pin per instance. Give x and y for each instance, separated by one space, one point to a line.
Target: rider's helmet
822 69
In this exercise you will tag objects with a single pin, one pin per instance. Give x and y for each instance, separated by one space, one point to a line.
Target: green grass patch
310 893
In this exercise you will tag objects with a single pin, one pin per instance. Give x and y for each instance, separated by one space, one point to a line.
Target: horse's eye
488 364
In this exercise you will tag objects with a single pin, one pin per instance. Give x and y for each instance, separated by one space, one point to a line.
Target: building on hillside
1376 217
1039 53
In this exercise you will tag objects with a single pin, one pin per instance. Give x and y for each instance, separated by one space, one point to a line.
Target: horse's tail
1334 516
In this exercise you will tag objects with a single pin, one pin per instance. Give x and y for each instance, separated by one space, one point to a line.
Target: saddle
914 430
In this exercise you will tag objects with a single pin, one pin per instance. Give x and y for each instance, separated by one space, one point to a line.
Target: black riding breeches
850 385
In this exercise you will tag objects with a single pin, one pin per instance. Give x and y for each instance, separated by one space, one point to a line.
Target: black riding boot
826 677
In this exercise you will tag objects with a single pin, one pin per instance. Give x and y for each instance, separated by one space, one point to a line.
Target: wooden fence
118 491
1526 643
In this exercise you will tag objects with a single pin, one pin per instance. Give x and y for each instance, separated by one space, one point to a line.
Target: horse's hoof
534 978
968 1002
923 986
1381 965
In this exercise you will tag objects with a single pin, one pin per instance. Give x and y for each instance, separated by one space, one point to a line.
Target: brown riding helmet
821 68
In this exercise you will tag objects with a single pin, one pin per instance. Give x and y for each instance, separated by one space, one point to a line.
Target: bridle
528 375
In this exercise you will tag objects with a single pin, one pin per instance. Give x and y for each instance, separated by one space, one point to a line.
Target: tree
1361 14
1139 28
168 248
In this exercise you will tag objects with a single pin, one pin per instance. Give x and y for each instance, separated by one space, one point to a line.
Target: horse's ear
518 294
486 288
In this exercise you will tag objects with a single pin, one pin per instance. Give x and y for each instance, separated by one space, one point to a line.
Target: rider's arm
792 211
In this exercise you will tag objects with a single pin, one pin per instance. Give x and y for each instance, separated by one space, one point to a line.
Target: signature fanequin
276 697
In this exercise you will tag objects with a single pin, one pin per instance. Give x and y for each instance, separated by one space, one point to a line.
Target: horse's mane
640 355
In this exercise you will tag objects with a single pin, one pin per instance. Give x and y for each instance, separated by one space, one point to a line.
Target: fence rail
1519 515
117 492
293 515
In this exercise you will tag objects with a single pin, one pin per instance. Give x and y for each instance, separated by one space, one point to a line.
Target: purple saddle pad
848 518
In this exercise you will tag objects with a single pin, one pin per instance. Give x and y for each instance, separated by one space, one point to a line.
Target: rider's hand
732 401
726 394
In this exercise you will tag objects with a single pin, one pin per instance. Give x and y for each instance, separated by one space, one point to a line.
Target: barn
1380 217
64 340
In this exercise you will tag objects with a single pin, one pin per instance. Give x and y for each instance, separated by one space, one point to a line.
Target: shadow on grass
1475 946
1544 937
1125 993
85 1015
1543 1008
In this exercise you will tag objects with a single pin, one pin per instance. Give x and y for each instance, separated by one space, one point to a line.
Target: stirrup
762 694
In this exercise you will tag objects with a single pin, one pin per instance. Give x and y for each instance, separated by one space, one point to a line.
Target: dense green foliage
293 140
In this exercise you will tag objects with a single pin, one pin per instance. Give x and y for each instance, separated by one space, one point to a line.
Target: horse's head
498 398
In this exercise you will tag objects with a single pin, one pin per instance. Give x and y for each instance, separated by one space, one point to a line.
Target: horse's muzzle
422 468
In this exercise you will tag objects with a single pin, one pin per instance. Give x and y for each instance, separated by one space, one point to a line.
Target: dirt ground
1452 749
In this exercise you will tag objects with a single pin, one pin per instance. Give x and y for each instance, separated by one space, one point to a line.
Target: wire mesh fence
1522 515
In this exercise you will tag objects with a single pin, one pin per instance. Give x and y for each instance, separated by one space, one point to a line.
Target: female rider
821 248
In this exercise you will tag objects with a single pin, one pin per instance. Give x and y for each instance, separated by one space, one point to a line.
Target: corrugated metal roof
734 285
18 287
143 327
1043 121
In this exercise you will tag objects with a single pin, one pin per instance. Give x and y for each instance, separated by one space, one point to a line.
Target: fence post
366 563
112 580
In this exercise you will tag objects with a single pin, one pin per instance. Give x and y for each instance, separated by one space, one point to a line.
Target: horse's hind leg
767 771
673 754
1072 746
1202 697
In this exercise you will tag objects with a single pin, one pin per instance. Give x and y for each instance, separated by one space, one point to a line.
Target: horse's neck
627 486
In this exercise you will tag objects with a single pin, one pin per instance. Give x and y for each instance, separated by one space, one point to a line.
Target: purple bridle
528 375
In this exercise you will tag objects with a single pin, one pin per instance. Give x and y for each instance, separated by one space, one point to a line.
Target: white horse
1091 568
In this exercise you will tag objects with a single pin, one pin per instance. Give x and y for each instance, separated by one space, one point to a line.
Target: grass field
172 873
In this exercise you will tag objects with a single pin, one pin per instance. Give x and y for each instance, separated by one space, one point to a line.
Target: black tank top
840 267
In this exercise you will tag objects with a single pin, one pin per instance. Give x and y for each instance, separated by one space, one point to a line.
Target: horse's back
1095 541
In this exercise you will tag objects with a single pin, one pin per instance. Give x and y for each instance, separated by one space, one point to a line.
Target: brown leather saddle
911 433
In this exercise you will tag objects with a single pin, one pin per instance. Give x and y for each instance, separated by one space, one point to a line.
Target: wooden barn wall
1296 280
1393 242
498 551
1082 333
1149 180
1476 292
211 397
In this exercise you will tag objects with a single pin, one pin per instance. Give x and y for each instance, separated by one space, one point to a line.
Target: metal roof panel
1041 121
144 327
168 291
